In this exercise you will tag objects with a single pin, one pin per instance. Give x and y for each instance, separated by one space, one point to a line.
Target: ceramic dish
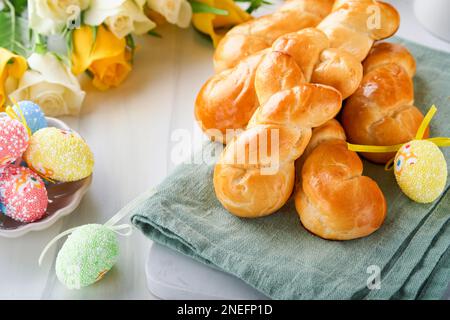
434 16
64 198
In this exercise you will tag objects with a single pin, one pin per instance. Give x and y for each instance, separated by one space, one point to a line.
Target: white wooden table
129 129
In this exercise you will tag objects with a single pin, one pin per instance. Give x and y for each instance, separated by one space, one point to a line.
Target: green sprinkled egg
86 256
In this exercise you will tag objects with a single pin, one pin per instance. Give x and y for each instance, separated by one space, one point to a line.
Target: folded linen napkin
277 256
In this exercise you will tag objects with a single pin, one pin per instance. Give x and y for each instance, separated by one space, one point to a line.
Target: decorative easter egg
33 115
421 170
14 140
59 155
22 194
86 256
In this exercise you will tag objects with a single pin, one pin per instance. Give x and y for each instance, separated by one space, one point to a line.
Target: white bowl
434 15
64 197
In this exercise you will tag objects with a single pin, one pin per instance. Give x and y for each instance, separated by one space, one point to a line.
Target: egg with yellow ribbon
420 167
421 170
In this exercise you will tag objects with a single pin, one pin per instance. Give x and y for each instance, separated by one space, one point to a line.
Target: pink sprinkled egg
22 194
14 141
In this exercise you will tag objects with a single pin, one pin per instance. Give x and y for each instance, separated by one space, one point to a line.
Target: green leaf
130 42
131 46
19 6
90 74
63 58
200 7
154 34
14 34
254 4
40 48
40 44
69 42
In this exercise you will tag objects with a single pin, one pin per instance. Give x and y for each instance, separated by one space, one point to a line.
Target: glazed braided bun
229 99
333 199
258 34
306 53
382 111
255 174
354 25
324 55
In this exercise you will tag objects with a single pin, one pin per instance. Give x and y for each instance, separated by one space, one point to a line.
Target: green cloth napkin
277 256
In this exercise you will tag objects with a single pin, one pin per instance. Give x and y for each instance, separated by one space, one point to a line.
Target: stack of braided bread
281 80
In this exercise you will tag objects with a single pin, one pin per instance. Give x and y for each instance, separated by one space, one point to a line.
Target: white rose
51 85
121 16
51 16
177 12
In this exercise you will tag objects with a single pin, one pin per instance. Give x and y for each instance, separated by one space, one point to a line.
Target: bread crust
333 199
330 54
382 111
240 183
259 34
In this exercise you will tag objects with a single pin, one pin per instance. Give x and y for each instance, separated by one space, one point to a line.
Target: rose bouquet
99 41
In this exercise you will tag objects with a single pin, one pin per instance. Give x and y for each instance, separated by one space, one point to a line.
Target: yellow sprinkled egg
421 170
59 155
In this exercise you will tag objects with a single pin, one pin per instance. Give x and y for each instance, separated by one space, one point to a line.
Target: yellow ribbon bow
19 117
439 141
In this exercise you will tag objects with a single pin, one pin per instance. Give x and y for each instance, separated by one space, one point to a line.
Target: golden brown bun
255 174
384 53
354 25
289 74
333 199
229 98
331 130
382 111
258 34
338 69
330 57
309 48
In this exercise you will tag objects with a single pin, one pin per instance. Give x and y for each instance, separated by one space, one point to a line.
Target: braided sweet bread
382 111
258 34
333 199
354 25
256 172
228 99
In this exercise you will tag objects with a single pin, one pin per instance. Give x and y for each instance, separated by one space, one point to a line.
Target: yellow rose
12 68
108 59
216 25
